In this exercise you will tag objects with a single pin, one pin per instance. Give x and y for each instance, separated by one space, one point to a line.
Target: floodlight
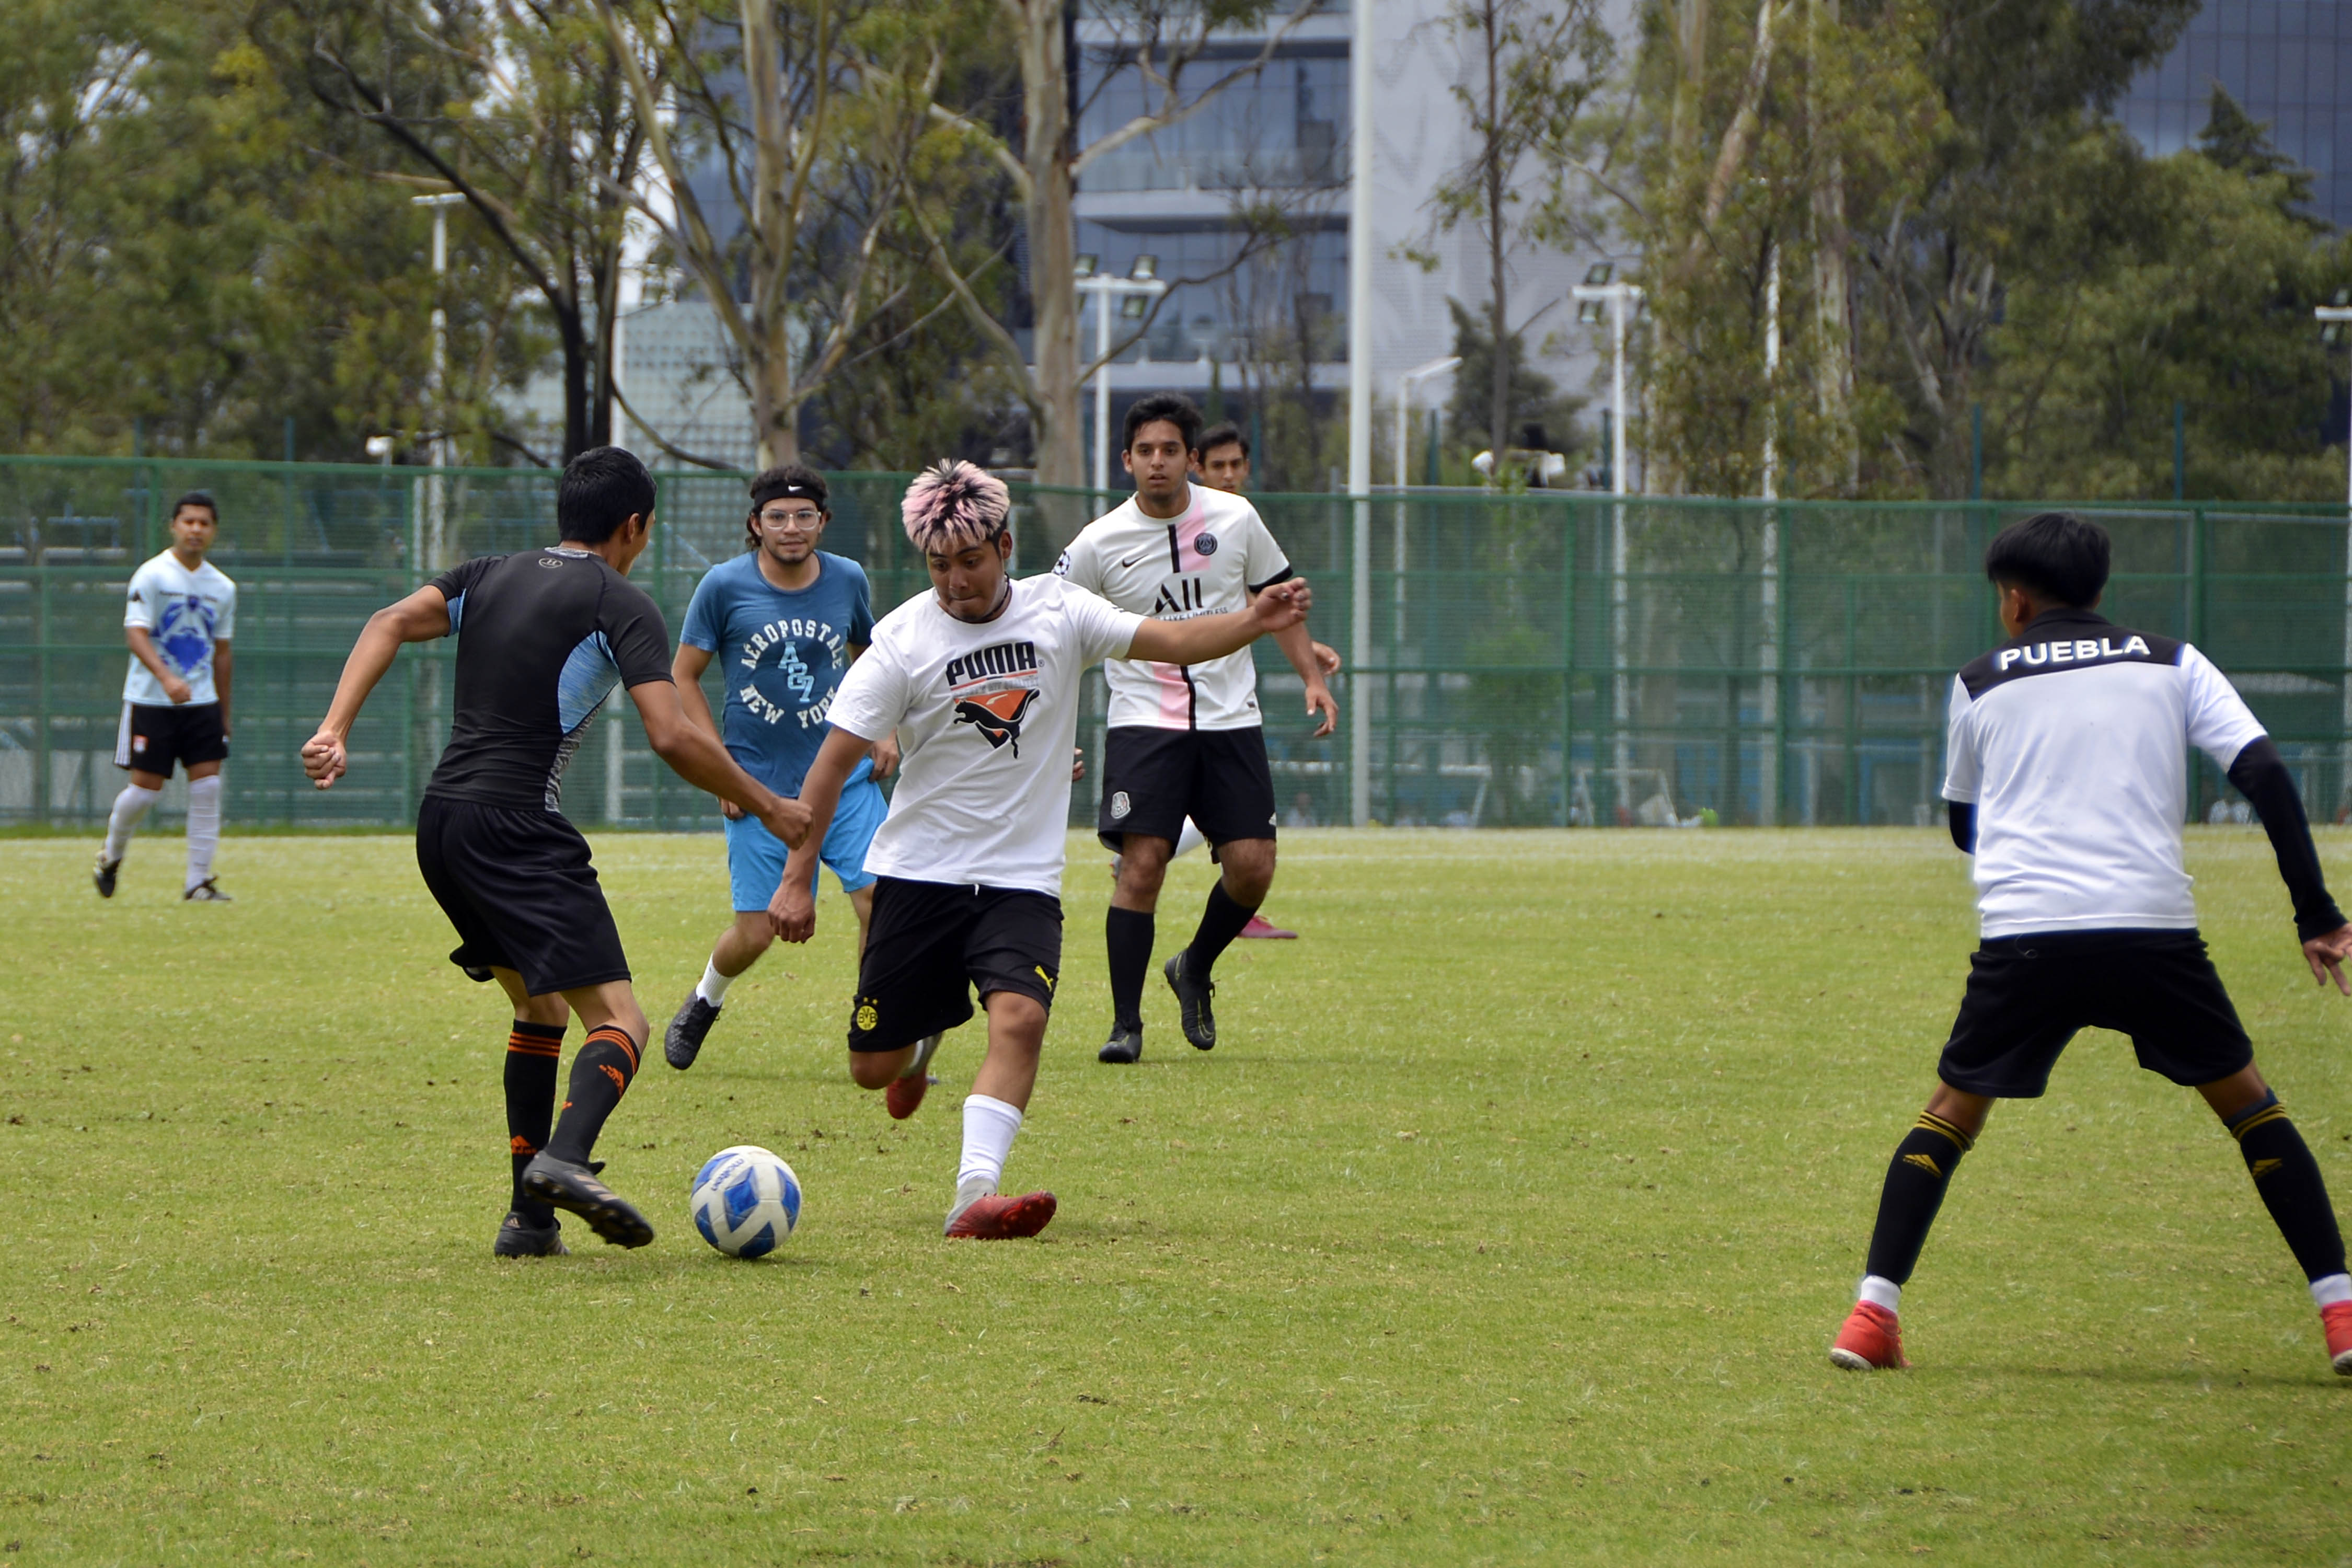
1132 307
1589 312
1598 278
1085 265
1145 270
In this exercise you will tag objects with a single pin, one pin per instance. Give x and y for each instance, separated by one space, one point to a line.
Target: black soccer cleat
518 1238
1192 996
682 1042
575 1189
205 892
1125 1046
103 874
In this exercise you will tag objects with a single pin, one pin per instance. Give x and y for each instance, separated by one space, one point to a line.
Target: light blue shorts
755 857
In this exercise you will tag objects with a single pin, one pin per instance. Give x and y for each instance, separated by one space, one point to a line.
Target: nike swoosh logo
1133 559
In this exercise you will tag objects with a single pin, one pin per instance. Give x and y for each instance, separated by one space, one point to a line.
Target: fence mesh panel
1532 660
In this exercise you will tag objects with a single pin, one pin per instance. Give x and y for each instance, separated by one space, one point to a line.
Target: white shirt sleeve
1963 768
1103 629
140 609
872 698
1262 559
2221 725
225 625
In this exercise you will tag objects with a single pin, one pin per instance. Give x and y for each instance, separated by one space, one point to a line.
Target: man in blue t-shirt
783 619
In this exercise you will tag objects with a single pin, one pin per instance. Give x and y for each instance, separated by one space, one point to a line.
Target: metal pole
436 499
1772 374
2342 314
1360 409
1621 692
1102 389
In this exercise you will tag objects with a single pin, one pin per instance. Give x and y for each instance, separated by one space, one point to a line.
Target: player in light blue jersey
782 620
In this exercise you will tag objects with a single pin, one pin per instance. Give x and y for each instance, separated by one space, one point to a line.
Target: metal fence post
1359 653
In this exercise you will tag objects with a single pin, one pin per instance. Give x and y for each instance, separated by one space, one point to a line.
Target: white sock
1882 1292
129 806
203 827
988 1129
2330 1288
714 985
1189 839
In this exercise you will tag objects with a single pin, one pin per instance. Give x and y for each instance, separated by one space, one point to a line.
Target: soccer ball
745 1201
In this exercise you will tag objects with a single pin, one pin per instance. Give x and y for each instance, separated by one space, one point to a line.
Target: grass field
1509 1225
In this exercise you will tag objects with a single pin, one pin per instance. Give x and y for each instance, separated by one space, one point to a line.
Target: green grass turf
1509 1225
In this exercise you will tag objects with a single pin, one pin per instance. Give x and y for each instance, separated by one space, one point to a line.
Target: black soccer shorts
930 943
1153 778
2027 996
517 884
153 738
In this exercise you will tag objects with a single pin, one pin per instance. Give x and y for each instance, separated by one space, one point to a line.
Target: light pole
2340 327
1361 83
436 501
1597 292
1141 282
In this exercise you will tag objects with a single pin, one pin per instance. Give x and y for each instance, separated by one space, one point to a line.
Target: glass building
2285 61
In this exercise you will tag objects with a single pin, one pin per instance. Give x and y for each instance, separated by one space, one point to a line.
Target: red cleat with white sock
2337 1320
1871 1340
998 1219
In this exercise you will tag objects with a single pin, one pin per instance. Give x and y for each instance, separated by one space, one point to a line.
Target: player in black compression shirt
543 637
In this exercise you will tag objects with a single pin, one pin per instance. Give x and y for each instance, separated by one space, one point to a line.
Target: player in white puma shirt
1184 741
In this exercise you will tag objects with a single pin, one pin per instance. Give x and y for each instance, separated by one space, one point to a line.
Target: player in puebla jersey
980 680
2067 778
1184 741
784 619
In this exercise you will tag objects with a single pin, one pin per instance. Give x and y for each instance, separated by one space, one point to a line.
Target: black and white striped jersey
2071 742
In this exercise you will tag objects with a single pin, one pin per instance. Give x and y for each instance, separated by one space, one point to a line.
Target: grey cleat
683 1040
205 892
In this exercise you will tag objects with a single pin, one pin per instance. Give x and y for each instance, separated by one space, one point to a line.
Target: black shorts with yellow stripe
931 945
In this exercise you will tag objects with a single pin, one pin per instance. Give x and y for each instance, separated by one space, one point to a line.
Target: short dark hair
777 483
1173 408
198 497
1224 433
602 489
2053 555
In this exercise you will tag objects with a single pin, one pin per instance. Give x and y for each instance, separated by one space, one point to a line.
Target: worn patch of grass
1508 1225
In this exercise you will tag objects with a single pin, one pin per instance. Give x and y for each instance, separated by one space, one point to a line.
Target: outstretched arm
696 755
420 618
2260 775
792 913
1300 649
1197 641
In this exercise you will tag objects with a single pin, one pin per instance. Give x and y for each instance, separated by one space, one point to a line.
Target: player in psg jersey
2067 768
543 637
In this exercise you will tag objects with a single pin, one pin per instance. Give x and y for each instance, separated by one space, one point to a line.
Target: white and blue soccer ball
745 1201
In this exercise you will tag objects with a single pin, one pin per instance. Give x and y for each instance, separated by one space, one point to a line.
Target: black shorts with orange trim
2027 995
931 945
517 885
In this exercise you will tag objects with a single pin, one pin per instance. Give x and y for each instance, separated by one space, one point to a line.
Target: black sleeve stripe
1284 575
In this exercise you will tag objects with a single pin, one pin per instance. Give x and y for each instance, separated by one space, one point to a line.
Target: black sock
1127 935
1915 1179
2288 1179
600 1075
531 1050
1220 923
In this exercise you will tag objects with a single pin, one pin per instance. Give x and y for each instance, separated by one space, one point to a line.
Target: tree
1531 67
526 111
1034 151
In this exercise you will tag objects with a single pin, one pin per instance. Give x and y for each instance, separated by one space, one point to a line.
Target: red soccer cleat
1870 1340
998 1219
1265 930
905 1093
2337 1320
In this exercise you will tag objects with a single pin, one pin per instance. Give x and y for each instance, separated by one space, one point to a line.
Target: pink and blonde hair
954 505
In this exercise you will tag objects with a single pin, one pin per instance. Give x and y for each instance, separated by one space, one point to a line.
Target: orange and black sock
532 1051
600 1075
1915 1179
2288 1178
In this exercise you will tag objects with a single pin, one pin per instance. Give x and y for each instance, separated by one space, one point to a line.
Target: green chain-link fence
1529 660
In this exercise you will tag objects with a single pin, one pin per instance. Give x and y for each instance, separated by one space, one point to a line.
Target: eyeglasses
805 519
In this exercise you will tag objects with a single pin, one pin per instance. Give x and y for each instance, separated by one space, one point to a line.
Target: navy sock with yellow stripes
600 1075
2288 1178
1922 1168
531 1050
